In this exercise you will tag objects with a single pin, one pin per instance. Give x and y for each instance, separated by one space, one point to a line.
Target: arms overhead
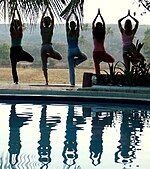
120 20
67 21
41 23
51 15
19 17
77 19
68 18
94 21
136 24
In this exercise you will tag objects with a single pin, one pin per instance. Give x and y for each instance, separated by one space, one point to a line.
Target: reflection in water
70 145
132 124
91 120
15 123
99 121
46 125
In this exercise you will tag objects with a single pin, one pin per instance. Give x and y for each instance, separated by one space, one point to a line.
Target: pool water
67 136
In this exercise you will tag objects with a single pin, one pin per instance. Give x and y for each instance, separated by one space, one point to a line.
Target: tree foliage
4 54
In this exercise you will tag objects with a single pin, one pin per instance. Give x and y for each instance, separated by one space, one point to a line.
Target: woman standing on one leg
47 27
99 53
75 57
16 52
127 38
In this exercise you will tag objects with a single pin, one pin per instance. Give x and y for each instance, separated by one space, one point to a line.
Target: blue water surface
68 136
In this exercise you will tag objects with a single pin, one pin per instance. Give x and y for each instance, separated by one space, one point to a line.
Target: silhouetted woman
127 38
75 57
99 53
47 27
16 52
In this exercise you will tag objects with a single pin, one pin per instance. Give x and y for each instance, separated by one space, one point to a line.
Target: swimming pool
74 136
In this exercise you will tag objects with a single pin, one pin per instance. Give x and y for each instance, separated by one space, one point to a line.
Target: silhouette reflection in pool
16 121
46 126
132 125
99 121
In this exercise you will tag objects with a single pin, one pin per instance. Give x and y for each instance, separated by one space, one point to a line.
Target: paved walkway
67 93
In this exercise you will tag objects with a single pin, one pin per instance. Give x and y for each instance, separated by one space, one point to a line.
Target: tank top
16 42
127 39
72 42
98 46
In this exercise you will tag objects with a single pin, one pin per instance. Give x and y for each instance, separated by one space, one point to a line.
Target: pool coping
65 93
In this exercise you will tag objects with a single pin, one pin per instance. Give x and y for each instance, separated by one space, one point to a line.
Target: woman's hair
99 31
128 25
46 21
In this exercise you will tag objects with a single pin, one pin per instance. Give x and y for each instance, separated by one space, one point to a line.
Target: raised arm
77 19
136 24
121 19
52 17
101 18
19 17
12 19
119 23
93 23
41 23
13 16
67 22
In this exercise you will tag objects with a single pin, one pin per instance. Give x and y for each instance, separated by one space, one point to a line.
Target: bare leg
97 68
126 61
45 75
96 65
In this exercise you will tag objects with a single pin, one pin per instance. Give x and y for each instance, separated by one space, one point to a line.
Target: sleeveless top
16 42
72 42
16 37
127 39
98 46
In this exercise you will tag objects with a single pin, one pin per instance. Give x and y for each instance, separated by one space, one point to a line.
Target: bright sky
112 10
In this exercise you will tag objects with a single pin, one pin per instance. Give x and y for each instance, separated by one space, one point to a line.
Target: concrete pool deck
78 94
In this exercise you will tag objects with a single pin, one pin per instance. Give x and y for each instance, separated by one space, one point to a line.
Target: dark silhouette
73 124
75 57
15 123
16 52
70 145
131 126
47 27
99 53
128 33
99 121
46 126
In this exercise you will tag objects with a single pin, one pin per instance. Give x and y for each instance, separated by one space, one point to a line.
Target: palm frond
145 4
30 9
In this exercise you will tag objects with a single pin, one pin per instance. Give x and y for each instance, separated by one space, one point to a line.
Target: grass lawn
35 75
